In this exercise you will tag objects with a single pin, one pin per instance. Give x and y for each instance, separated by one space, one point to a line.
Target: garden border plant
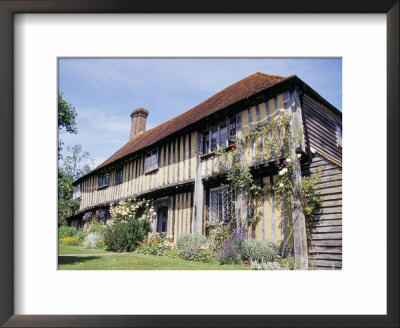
129 225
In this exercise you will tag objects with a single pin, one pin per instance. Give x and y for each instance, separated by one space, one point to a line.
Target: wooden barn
178 166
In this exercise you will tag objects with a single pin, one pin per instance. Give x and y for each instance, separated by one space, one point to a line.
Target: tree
66 119
77 163
71 167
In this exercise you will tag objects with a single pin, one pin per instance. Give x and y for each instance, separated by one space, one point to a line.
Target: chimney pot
138 121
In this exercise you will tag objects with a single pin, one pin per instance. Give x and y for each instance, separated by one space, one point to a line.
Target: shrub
129 225
287 263
155 245
207 255
173 253
259 250
92 240
125 236
191 246
71 241
98 228
217 234
65 231
80 236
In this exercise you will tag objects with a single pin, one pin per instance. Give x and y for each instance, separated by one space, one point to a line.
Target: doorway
162 216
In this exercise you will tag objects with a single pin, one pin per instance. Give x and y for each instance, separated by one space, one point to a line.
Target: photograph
199 163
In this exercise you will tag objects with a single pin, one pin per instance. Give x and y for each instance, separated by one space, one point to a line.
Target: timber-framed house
174 165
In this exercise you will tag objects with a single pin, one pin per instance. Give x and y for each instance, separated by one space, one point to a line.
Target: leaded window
220 204
118 175
221 135
214 139
232 130
103 180
151 162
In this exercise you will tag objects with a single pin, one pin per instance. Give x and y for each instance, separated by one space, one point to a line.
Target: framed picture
370 271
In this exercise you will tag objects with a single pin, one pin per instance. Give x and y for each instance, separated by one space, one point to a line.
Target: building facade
178 166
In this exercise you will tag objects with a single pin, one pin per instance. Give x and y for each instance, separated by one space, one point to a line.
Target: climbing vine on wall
271 141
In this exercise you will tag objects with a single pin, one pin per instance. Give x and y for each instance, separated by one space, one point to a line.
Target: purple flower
100 214
87 216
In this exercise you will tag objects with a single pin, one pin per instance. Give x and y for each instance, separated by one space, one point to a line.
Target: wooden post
298 218
198 192
242 209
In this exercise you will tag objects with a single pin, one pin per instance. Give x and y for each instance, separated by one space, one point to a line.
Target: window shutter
199 145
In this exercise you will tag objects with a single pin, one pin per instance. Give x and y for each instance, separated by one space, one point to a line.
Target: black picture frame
7 10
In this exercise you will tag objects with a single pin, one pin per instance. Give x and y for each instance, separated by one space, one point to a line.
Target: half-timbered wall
249 119
181 220
274 223
177 164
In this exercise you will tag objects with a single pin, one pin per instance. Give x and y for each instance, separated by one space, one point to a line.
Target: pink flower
246 262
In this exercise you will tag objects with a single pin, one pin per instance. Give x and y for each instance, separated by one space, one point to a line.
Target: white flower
281 185
298 155
288 160
283 171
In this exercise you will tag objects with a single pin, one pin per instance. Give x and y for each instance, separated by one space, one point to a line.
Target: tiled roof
228 96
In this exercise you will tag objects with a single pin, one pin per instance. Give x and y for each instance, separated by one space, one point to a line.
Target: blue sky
105 91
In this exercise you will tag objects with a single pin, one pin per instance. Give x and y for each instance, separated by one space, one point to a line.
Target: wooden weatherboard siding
325 246
177 164
320 125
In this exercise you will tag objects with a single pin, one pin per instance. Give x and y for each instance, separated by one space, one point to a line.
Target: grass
66 249
129 261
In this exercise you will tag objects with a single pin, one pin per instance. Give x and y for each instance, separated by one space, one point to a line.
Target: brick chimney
138 122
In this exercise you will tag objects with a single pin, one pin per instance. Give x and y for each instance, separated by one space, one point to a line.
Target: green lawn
65 249
129 261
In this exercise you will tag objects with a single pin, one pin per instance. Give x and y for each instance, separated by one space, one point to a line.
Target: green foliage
66 204
310 199
190 246
287 263
65 231
66 118
97 228
125 236
258 250
218 233
70 168
128 226
80 236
